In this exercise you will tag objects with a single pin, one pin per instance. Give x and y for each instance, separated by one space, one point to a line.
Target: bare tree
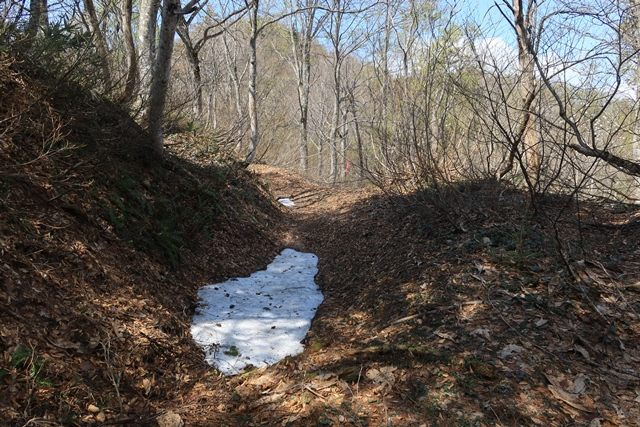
385 77
99 40
303 29
171 12
253 7
235 76
634 31
193 47
593 135
131 79
39 19
345 38
335 36
193 57
147 41
523 22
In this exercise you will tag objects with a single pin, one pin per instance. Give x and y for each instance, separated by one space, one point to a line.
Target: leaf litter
407 279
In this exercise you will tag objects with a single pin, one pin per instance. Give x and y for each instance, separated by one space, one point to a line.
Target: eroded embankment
102 253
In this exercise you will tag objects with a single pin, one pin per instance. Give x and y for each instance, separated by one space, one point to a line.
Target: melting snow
286 202
261 319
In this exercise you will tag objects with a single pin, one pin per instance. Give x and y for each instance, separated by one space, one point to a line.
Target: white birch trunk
147 43
131 79
161 74
99 40
301 43
527 87
253 84
39 18
337 89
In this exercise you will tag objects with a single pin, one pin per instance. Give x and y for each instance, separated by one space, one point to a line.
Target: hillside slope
102 251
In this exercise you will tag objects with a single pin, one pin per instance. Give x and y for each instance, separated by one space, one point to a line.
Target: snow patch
286 202
260 319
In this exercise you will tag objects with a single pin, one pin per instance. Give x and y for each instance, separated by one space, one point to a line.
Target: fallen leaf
541 322
571 399
270 398
445 336
482 332
580 384
170 419
383 375
510 350
566 397
583 351
147 384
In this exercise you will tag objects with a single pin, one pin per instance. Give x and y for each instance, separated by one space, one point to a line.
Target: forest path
426 323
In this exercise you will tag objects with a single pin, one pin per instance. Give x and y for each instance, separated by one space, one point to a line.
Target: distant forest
541 94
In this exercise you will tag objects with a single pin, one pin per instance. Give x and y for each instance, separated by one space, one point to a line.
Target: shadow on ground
454 309
103 249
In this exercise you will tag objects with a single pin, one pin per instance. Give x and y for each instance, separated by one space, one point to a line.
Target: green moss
232 351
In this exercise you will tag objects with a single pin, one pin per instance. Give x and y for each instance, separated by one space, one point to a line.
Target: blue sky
570 44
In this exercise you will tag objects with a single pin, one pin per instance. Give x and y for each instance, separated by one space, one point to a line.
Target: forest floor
461 316
452 307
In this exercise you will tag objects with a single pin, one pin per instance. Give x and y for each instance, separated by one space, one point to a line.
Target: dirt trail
427 324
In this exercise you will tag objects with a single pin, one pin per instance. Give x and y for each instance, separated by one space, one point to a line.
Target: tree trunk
238 97
99 40
320 157
335 127
636 136
232 67
197 81
253 85
212 113
523 21
304 84
193 57
301 42
343 146
161 74
636 132
303 144
384 95
234 78
337 88
130 49
304 107
634 6
147 43
39 19
356 125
